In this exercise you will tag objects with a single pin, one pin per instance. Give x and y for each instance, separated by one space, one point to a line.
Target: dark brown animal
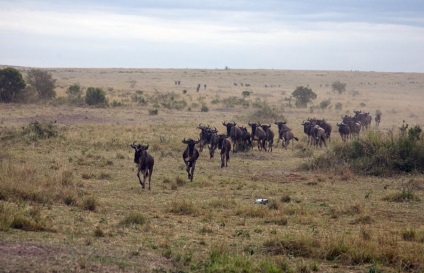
144 161
257 134
234 133
224 144
190 156
344 131
269 137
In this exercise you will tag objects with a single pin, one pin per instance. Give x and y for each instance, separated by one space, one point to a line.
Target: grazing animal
144 161
326 126
269 137
224 144
257 134
190 155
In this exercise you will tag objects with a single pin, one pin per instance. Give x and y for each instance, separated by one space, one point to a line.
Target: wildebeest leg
188 169
222 160
192 171
139 179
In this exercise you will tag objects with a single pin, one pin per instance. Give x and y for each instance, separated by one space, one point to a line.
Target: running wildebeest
257 134
234 133
269 137
190 155
144 161
285 134
224 144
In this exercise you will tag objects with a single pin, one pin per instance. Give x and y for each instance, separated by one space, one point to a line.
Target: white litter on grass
261 201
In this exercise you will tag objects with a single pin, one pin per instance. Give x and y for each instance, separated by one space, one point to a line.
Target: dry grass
77 193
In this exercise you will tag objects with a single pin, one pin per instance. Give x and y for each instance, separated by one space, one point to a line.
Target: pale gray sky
382 35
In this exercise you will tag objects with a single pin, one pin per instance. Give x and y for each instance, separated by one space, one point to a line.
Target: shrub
42 82
40 130
338 87
204 108
96 96
324 104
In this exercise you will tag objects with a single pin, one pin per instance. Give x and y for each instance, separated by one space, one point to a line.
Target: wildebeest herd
238 138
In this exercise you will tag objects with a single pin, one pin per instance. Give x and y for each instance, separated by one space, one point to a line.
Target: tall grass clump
376 154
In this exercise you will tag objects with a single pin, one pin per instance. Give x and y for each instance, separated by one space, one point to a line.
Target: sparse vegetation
69 193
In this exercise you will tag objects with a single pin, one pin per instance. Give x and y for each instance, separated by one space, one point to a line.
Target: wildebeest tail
296 138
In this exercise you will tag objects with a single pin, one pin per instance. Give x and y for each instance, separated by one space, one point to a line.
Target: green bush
96 96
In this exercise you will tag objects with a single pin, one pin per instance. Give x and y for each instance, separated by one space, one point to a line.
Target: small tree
246 94
324 104
303 96
43 82
338 87
95 96
11 84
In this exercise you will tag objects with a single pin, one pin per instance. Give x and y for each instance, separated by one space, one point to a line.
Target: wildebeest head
190 144
138 150
229 126
254 127
265 126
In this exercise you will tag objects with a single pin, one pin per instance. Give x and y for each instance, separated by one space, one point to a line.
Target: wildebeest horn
133 145
249 124
184 141
147 146
224 123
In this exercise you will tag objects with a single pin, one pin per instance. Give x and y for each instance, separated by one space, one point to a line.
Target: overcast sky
367 35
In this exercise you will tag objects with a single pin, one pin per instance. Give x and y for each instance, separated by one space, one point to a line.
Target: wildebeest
354 125
224 145
326 126
257 134
377 118
190 155
234 133
320 136
205 135
285 134
269 137
144 161
364 118
344 131
308 130
213 144
245 138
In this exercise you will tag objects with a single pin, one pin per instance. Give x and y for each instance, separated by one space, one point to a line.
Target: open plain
73 202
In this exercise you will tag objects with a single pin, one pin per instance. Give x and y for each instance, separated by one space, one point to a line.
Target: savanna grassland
70 199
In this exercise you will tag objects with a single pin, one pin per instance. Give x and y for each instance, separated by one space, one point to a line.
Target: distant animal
224 144
144 161
190 156
378 119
